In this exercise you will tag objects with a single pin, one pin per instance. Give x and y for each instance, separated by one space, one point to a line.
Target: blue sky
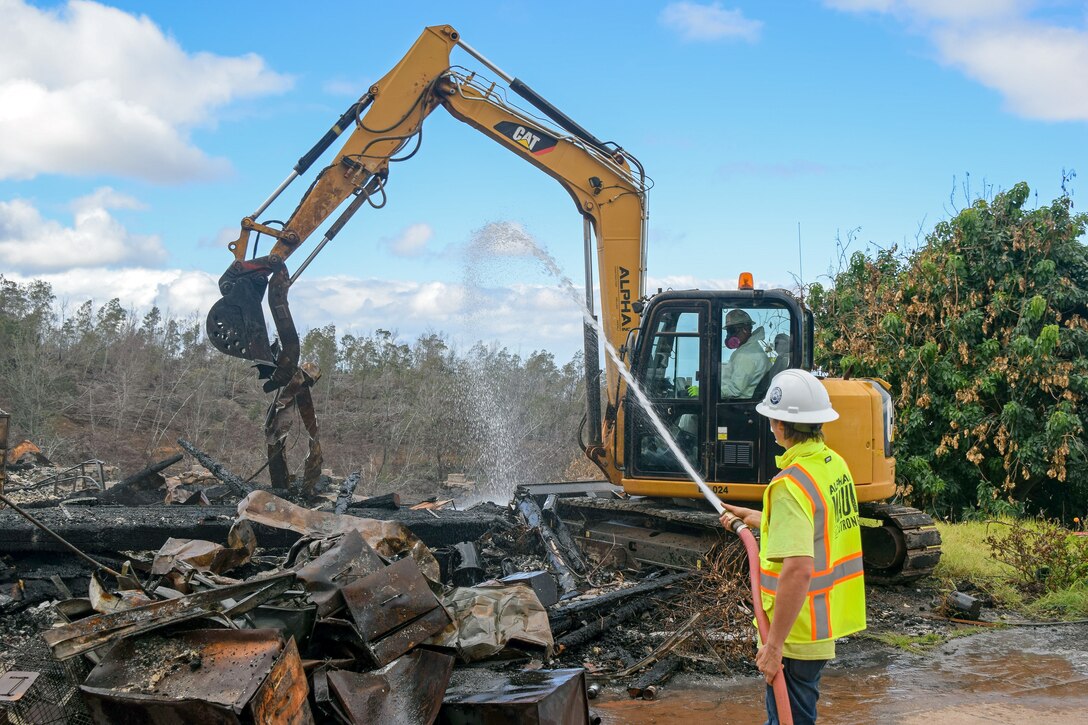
136 136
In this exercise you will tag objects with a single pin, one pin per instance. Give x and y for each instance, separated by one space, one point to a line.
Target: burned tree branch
216 468
389 501
646 685
347 489
136 478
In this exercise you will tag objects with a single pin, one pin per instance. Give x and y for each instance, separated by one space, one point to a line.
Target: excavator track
900 545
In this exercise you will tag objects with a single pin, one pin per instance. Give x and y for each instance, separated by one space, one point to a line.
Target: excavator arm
607 191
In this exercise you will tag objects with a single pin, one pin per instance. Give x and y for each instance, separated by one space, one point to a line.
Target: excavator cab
704 360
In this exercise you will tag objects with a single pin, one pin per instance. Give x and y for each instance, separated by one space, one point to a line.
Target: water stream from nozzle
511 239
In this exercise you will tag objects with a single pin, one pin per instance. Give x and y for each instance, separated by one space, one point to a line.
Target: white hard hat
796 396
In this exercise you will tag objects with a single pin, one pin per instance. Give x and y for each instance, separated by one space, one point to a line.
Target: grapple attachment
236 324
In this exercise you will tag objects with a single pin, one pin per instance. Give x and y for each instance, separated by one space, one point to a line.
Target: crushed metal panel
389 538
408 691
281 699
350 560
540 697
206 676
394 610
490 617
295 621
541 582
91 632
207 556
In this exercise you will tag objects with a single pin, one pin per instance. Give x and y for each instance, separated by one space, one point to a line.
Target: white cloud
1039 70
958 10
31 243
697 22
88 89
411 241
1036 65
180 293
522 317
354 88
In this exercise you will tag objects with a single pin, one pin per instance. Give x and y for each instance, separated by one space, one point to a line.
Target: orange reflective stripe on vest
836 605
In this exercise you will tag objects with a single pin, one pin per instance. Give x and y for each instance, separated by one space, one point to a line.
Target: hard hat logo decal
775 396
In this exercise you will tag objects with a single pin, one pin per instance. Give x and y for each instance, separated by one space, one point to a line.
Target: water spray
738 527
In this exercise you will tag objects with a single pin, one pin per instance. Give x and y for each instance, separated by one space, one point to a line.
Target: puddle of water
1015 675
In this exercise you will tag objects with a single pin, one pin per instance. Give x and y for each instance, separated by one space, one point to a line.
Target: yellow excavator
678 345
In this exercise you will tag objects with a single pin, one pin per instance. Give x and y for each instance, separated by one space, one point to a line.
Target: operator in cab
749 362
811 576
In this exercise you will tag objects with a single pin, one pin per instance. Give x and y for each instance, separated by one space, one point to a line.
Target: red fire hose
778 685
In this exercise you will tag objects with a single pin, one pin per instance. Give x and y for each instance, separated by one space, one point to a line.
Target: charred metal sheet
282 697
295 622
394 610
541 582
468 570
388 538
337 638
91 632
543 697
104 601
407 691
207 556
350 560
207 676
490 617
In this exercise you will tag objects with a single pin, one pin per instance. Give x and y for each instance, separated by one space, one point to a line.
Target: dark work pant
803 684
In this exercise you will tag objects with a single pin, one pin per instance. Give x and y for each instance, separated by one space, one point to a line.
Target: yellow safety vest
819 479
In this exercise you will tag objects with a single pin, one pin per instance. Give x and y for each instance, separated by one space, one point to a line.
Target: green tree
983 334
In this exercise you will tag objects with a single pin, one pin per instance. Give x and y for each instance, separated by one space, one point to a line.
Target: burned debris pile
200 597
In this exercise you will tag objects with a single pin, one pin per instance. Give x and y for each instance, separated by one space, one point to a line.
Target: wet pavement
1004 676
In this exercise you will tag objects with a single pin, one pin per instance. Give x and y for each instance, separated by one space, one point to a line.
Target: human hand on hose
750 517
769 661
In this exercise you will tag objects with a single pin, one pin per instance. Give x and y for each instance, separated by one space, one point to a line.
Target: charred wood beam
570 616
136 478
646 685
390 501
597 627
145 528
347 489
529 511
216 468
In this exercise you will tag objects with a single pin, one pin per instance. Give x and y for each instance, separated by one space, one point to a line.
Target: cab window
754 340
673 366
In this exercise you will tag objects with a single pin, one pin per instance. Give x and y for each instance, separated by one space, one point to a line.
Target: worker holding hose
810 577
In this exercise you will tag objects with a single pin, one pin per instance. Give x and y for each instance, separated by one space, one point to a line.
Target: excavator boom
675 343
608 193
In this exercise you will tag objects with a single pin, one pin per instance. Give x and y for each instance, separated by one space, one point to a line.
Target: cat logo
532 140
